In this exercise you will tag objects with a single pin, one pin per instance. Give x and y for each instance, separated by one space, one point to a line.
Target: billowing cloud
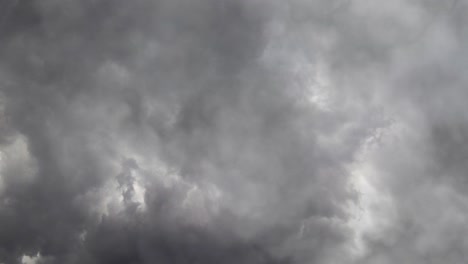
232 131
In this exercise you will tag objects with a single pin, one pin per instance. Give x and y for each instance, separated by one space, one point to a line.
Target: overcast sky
233 131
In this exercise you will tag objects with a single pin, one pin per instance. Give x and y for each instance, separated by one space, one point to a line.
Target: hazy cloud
232 131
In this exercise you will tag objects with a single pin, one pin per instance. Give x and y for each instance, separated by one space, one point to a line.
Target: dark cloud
232 131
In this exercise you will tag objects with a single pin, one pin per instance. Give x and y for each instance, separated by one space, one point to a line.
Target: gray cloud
232 132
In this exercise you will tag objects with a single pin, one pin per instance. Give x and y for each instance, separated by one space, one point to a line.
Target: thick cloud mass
233 131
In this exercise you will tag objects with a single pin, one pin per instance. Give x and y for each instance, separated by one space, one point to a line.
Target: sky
233 131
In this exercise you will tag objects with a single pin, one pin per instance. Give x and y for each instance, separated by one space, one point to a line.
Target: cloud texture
233 131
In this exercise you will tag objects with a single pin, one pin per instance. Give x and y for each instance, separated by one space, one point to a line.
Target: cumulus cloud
232 131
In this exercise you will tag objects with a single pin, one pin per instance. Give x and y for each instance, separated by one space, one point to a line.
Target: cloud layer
233 131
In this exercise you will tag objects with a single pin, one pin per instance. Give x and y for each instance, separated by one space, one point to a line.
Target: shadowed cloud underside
233 131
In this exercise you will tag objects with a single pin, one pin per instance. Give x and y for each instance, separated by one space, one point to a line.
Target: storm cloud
233 131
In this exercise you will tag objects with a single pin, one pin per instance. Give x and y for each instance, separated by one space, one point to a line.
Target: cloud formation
232 131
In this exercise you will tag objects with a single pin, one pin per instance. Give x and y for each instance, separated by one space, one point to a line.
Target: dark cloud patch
18 17
156 132
232 131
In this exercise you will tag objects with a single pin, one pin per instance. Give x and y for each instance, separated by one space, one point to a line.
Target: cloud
232 131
